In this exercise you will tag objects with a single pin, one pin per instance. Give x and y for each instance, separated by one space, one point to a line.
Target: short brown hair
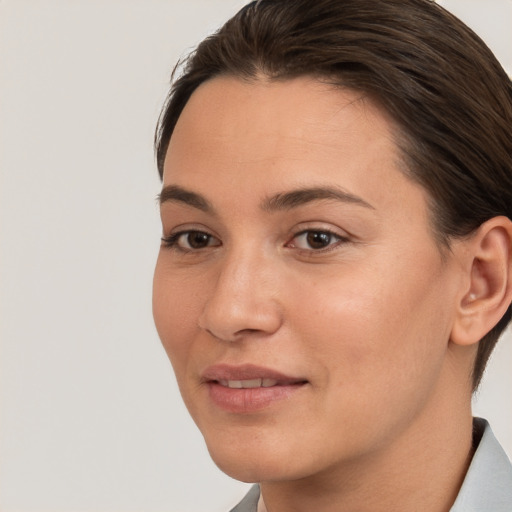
443 86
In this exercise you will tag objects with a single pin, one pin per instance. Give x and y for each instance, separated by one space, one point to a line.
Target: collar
488 482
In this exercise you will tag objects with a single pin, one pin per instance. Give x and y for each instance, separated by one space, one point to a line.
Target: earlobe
488 289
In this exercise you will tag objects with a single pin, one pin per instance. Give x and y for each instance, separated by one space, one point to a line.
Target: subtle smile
248 388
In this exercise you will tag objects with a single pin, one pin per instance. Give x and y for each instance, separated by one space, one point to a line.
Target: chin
251 470
258 462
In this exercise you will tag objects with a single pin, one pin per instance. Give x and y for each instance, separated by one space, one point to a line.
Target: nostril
246 331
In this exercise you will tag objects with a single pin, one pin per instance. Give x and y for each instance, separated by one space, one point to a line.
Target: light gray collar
488 482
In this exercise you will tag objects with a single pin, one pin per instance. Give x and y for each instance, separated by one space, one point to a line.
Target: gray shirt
486 488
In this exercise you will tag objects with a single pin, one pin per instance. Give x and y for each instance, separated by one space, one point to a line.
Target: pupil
318 239
197 240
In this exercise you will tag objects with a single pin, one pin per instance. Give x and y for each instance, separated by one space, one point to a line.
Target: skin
365 320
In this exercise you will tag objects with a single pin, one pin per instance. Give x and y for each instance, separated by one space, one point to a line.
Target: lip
246 372
277 386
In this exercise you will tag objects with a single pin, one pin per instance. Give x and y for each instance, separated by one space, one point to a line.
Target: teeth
248 384
254 383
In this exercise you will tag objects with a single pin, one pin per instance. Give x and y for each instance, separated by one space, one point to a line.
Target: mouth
248 388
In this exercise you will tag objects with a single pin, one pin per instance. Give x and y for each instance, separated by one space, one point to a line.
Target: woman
336 256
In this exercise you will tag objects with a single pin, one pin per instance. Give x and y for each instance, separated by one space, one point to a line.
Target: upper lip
225 372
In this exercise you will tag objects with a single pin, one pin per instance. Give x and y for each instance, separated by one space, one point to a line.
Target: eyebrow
278 202
174 193
299 197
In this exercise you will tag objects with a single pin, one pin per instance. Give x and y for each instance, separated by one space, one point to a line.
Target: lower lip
248 400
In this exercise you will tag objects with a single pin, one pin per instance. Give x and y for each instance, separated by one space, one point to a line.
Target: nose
244 298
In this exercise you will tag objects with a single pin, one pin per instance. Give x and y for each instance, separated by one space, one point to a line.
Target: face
299 292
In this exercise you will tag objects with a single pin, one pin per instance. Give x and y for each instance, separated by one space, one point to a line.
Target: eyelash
173 241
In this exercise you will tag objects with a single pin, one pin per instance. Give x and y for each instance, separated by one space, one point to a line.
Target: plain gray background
91 419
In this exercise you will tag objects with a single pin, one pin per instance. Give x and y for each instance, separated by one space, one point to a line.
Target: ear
487 292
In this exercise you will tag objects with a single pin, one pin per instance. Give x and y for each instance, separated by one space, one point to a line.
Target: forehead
259 119
300 106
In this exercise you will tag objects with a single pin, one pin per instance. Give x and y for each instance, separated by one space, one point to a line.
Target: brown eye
316 240
198 239
191 240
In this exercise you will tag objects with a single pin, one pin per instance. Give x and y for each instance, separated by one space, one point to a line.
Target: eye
315 240
191 240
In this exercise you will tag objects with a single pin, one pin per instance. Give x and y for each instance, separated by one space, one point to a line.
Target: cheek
380 326
175 306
